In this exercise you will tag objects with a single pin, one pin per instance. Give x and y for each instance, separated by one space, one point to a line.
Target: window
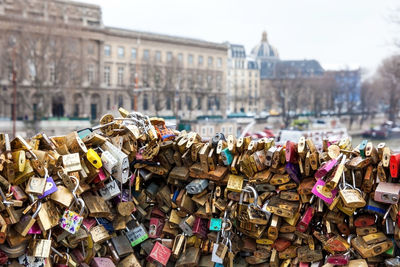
210 61
256 74
120 101
168 103
223 130
209 104
121 52
133 53
189 102
200 61
250 73
200 80
90 74
255 84
219 62
107 50
211 130
158 56
52 72
107 75
145 102
132 103
180 57
146 54
199 102
203 130
190 59
179 104
190 81
169 56
120 76
108 103
145 76
209 81
250 85
217 103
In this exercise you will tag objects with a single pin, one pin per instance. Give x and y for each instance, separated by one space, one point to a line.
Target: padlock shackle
82 203
36 213
249 189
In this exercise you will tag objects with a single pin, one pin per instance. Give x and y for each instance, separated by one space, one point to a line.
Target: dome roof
264 50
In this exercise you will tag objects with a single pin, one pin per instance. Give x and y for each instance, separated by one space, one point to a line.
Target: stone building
70 65
243 81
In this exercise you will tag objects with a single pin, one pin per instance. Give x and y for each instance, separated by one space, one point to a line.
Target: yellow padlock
94 158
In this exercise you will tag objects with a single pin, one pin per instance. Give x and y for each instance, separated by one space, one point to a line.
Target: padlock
26 222
138 234
323 193
155 227
40 248
197 186
122 166
305 220
387 193
71 221
99 234
110 190
235 183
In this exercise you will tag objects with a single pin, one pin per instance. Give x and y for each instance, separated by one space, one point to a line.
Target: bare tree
388 80
45 61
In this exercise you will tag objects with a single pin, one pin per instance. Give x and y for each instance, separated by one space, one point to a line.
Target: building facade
68 64
243 81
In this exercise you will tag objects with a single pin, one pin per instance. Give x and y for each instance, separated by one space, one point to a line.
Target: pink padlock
35 229
101 176
89 223
324 169
305 220
18 193
338 259
320 191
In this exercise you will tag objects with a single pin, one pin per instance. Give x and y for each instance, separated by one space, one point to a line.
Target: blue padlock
215 224
227 157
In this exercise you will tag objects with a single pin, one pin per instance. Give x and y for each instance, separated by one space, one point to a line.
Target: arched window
209 103
168 103
189 102
145 102
120 101
217 103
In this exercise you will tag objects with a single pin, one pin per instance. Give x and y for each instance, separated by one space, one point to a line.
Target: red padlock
155 228
160 254
394 165
364 220
199 228
291 152
281 244
305 221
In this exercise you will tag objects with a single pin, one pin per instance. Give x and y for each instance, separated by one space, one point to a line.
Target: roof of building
251 64
291 69
264 50
237 51
164 37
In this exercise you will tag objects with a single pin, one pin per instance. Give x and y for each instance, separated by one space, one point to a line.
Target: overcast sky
338 33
